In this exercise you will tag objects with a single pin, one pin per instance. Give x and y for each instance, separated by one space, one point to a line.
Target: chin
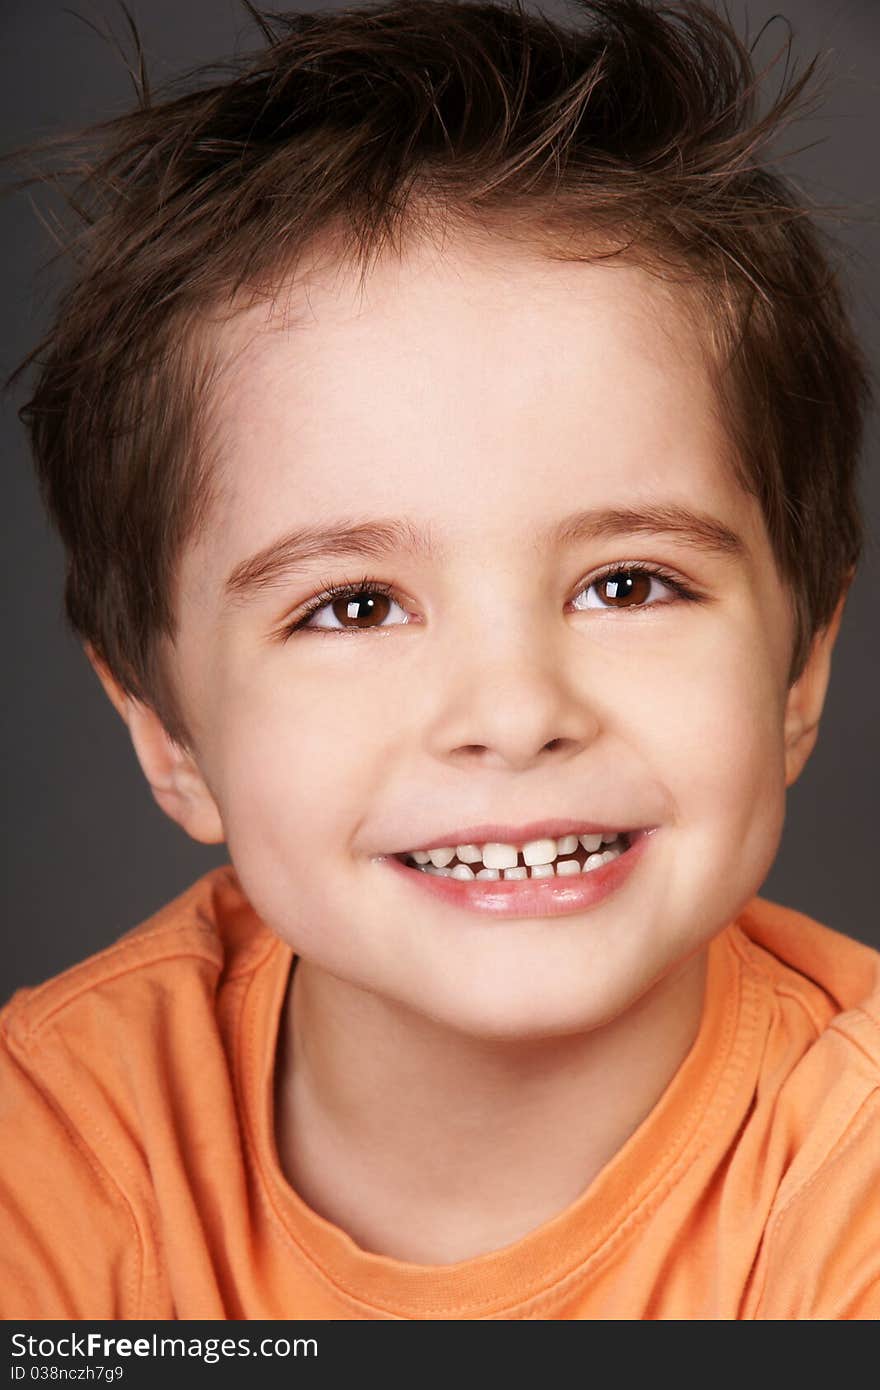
523 1015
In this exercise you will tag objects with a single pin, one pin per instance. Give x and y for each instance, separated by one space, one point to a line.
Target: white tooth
468 854
567 867
499 856
543 871
568 844
611 835
519 872
441 857
421 856
440 872
539 851
595 861
591 842
488 873
462 871
610 855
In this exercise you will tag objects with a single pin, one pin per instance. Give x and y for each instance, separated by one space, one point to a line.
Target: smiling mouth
566 857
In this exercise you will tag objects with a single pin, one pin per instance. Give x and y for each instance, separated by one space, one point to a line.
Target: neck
432 1147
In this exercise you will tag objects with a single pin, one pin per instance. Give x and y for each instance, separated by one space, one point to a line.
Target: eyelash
367 584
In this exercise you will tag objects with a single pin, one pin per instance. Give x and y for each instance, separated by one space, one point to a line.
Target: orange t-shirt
140 1178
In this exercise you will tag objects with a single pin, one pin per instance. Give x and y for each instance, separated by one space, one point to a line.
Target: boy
453 430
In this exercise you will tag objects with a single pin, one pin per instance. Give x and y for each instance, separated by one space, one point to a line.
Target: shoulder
103 1034
821 1252
831 981
96 1065
209 931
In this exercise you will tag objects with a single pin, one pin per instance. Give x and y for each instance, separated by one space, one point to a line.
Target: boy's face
485 396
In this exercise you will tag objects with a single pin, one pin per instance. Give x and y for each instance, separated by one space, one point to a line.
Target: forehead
457 369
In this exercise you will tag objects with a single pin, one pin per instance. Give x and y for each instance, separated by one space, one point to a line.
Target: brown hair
631 130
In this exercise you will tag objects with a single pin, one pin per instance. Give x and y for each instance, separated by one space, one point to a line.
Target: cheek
298 764
297 776
717 740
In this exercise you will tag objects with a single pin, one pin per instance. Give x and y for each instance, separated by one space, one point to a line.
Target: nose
512 699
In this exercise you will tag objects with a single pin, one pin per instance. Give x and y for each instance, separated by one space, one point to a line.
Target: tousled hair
631 130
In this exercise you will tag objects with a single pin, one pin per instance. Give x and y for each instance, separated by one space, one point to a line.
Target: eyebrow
295 551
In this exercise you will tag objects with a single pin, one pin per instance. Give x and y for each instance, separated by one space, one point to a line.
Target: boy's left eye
366 605
629 587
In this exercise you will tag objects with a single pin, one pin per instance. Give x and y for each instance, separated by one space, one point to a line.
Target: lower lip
535 897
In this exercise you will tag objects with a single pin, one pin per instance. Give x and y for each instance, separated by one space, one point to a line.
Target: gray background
88 852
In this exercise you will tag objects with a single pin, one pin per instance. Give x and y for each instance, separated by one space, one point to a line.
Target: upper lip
552 829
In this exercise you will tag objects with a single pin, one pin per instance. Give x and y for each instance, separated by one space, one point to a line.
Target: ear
806 698
172 772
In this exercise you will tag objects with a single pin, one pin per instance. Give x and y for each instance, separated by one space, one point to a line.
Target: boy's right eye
348 608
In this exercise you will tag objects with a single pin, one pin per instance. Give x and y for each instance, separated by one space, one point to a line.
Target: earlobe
806 699
173 774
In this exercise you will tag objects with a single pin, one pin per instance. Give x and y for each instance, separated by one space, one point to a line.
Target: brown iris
356 610
624 588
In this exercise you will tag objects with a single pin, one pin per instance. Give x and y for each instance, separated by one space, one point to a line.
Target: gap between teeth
439 862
